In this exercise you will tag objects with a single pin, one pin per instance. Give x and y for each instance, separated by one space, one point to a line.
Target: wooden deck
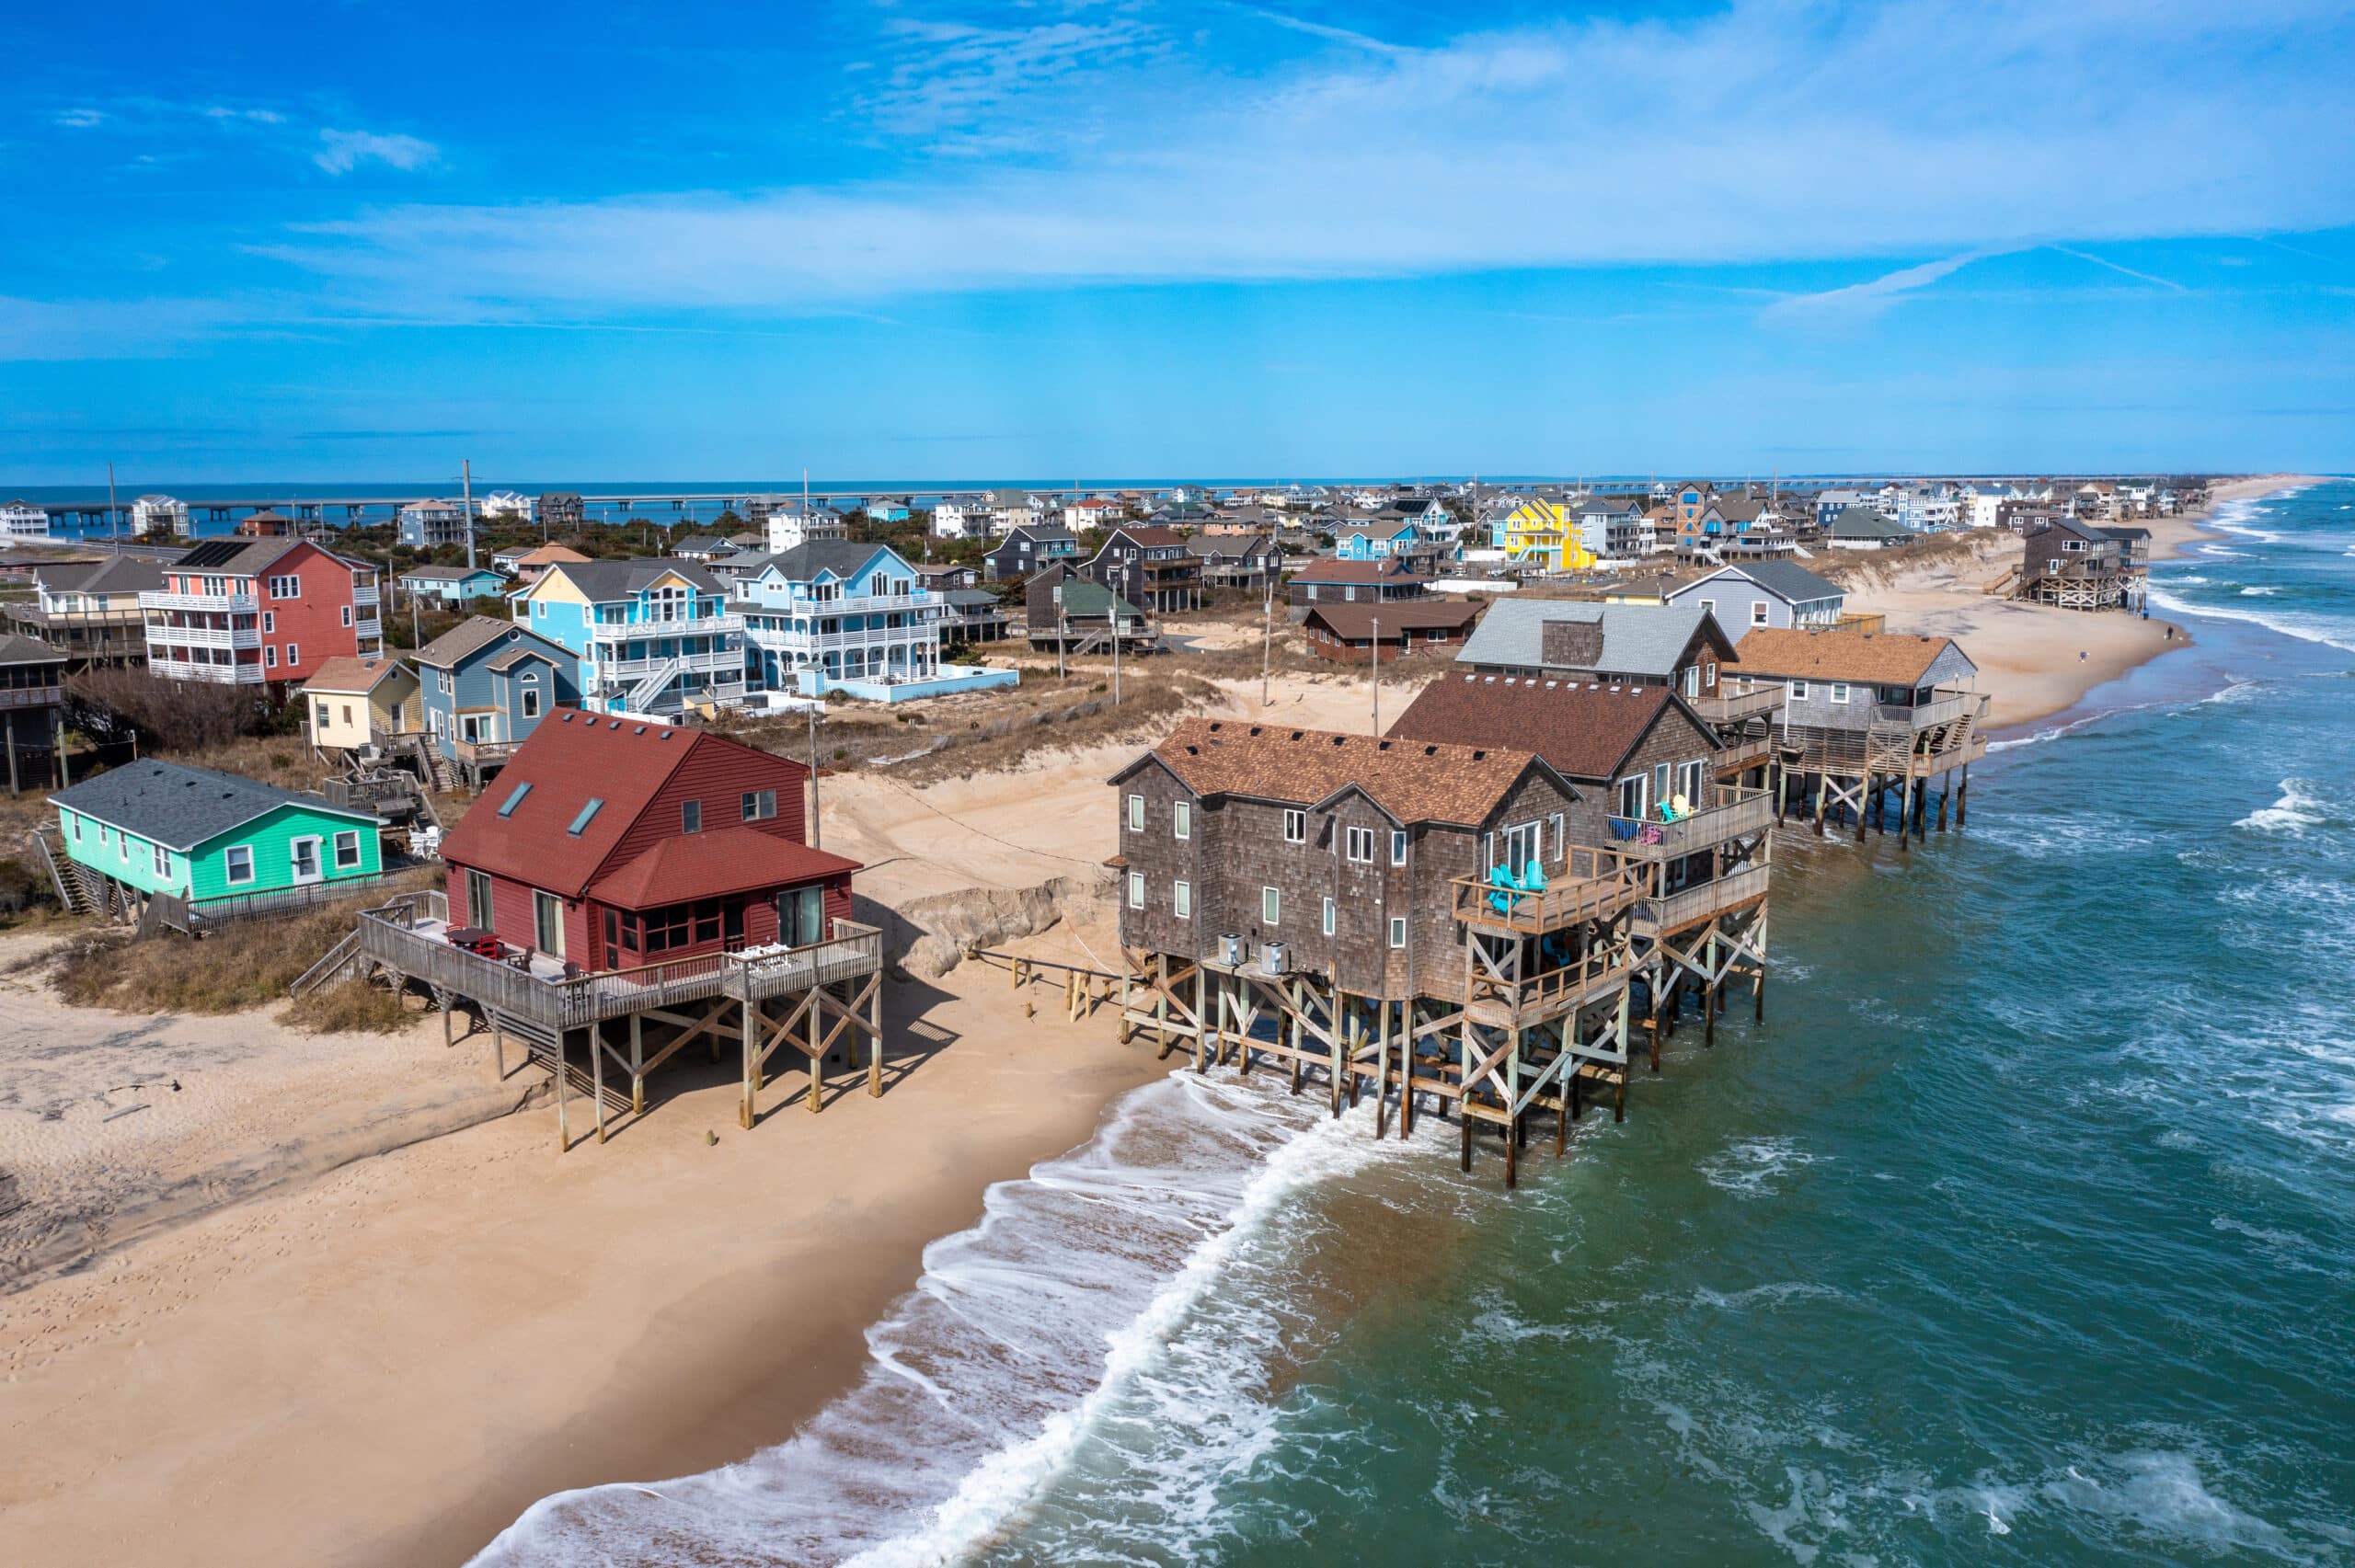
1690 906
1595 885
410 936
1739 811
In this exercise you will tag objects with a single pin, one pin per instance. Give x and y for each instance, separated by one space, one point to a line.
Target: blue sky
1089 240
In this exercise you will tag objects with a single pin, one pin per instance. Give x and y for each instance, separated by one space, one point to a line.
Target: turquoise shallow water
2022 1230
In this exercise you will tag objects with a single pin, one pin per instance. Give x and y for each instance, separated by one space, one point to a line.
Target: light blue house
887 508
1376 540
833 615
484 685
453 585
653 636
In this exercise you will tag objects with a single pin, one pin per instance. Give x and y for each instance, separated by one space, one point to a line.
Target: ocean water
2021 1232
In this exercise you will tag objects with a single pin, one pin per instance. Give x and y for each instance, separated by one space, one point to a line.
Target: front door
306 857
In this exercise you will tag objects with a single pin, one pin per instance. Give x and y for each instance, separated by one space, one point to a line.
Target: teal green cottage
199 835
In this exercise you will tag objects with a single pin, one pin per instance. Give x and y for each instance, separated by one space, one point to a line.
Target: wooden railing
1669 911
1727 708
1598 967
1738 810
1944 708
1593 885
391 937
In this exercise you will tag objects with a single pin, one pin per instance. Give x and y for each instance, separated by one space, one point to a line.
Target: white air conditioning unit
1271 957
1230 949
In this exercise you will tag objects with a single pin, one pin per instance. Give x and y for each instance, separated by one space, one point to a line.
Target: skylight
588 813
516 800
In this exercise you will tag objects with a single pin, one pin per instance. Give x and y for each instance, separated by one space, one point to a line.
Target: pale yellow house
1543 534
350 701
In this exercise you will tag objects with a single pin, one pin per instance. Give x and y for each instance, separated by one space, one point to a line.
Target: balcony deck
1594 885
411 935
1736 706
1739 811
1671 912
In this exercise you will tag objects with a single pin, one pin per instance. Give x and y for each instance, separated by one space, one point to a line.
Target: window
1397 931
305 855
347 614
1689 781
269 622
759 805
1710 606
78 827
1660 784
1555 829
1692 680
1328 917
163 860
530 702
286 587
1757 611
1182 819
691 817
238 864
347 852
1709 676
1839 691
547 922
579 824
1271 905
1136 814
1295 827
347 713
1398 846
1631 798
1360 843
293 654
1798 690
270 656
1136 889
1181 899
515 799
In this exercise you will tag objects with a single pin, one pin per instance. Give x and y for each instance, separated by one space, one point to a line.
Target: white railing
232 602
712 661
686 627
835 642
366 596
218 674
371 627
207 636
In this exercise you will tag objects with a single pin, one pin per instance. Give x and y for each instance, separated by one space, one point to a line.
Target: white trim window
1295 826
347 614
1798 691
270 656
1136 814
163 860
758 804
346 850
238 864
1840 690
1182 819
1181 899
1631 798
1136 889
1359 844
1328 917
269 623
1397 846
1271 905
293 654
1397 931
1558 831
1757 611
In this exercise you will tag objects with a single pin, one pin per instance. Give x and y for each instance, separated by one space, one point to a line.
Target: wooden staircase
431 765
540 1044
337 959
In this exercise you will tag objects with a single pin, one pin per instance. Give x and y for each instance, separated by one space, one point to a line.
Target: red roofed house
612 844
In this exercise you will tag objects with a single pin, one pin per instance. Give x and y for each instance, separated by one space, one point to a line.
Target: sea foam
2297 810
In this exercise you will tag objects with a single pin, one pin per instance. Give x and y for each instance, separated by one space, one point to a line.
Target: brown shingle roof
1351 622
1868 659
1585 731
1391 570
1414 782
1154 538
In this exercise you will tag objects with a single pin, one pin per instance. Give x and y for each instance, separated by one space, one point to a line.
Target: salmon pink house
261 613
611 843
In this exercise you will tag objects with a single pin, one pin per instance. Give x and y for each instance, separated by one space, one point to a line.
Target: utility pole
467 479
1116 650
114 518
1267 643
817 839
1377 676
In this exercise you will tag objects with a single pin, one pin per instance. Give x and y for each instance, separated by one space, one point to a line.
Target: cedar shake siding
1236 848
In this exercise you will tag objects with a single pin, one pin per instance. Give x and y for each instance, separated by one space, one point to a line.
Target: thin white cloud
1858 301
2114 267
78 119
1320 29
224 114
340 152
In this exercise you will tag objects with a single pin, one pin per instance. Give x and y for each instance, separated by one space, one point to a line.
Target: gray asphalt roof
477 632
180 807
607 580
806 560
16 649
1865 523
1788 579
447 574
116 574
969 596
1637 639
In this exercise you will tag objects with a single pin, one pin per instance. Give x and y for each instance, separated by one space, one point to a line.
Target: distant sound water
2022 1230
